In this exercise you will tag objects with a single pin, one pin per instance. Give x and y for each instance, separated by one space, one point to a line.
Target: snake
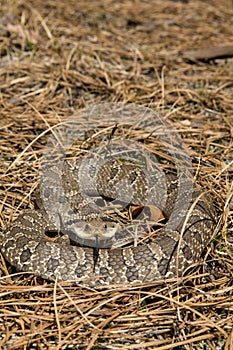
95 243
25 245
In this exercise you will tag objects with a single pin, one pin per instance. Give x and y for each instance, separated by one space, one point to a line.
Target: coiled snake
24 244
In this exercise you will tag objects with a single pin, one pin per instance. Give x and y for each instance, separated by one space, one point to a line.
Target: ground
58 57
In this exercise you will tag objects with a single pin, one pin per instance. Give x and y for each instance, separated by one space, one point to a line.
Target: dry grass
59 57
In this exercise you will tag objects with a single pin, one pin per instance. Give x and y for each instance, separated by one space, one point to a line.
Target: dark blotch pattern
22 242
9 244
187 252
163 266
25 255
53 264
132 273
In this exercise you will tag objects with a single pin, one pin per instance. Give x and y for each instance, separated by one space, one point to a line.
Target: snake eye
105 226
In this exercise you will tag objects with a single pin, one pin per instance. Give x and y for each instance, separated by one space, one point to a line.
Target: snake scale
24 244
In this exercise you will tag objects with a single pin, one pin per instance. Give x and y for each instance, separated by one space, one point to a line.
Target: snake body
24 244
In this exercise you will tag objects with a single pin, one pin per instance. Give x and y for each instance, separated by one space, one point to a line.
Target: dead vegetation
59 57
